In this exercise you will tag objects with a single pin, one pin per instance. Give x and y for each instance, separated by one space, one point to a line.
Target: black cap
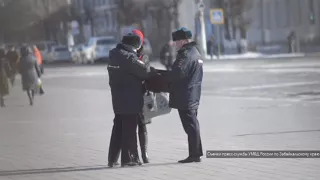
131 40
180 34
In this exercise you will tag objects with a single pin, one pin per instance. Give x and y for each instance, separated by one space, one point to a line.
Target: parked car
78 55
59 53
98 48
45 48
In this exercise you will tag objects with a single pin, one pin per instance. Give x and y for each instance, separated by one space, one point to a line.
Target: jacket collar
127 48
188 46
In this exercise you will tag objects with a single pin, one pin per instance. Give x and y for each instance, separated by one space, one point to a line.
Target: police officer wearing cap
185 81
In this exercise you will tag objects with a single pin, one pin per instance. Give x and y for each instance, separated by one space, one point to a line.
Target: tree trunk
92 27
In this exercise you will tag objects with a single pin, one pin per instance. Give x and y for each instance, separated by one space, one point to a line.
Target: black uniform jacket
185 79
126 75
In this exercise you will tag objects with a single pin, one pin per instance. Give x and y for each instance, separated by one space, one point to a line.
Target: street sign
201 6
217 16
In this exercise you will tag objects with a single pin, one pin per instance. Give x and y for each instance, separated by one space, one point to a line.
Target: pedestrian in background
126 75
211 47
38 56
4 83
167 55
13 58
185 81
30 73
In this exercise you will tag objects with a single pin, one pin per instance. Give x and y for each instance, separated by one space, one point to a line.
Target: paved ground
246 105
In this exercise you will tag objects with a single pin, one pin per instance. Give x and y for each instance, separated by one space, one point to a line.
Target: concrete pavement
65 135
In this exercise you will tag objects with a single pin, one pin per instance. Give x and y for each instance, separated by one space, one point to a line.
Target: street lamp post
203 38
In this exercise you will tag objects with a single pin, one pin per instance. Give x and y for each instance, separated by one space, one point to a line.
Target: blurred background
266 26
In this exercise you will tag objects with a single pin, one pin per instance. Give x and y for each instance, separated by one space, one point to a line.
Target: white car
98 48
59 53
77 54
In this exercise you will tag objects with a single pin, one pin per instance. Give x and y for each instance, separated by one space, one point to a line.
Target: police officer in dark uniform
185 81
126 74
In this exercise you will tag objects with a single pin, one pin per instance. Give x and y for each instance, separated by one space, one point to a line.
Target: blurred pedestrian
292 40
13 58
126 75
167 55
4 83
38 56
30 73
210 47
185 81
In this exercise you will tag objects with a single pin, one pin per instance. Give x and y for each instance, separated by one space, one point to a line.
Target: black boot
143 140
41 91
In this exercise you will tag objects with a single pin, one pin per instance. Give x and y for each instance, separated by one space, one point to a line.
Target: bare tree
89 13
51 14
130 11
236 17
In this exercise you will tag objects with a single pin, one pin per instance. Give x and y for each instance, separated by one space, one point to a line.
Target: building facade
273 20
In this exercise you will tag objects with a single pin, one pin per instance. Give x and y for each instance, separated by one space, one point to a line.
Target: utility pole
263 29
203 39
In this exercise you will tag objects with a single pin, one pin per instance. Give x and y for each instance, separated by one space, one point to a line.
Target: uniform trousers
123 137
191 127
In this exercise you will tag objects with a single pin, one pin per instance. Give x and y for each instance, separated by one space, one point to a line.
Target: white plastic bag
38 86
156 104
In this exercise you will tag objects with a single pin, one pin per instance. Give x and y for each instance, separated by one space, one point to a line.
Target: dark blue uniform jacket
185 79
126 74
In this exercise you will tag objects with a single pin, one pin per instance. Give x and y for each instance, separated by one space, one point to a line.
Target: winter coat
126 76
13 58
29 71
4 83
185 79
38 55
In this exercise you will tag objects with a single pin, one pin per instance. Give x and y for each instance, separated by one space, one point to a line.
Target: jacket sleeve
179 71
138 68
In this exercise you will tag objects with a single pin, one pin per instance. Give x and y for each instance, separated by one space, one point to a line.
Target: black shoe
41 91
112 164
129 164
190 160
137 160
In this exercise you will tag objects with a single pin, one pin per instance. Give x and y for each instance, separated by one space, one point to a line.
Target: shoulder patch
200 61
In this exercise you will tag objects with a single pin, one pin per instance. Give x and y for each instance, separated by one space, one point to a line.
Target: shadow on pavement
281 132
73 169
305 94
